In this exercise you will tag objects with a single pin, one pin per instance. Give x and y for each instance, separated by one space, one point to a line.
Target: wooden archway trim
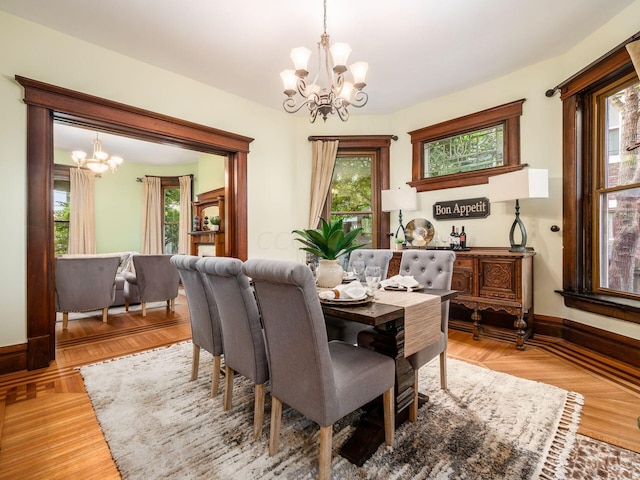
46 103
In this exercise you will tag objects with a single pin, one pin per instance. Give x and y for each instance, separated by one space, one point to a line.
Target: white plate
403 288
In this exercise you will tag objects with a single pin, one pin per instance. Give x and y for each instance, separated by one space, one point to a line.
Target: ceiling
416 49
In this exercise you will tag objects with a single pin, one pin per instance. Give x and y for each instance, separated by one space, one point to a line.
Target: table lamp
519 185
399 199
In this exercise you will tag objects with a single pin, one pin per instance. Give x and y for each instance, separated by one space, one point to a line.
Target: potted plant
329 243
399 243
215 223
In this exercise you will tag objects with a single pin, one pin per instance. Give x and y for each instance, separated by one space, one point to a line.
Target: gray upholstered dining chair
85 284
153 279
203 317
242 336
371 256
322 380
433 269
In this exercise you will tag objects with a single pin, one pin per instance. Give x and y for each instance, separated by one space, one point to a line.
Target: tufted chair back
433 269
375 257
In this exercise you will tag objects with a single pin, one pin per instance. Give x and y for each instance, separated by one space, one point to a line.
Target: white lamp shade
300 57
340 53
289 80
399 199
525 183
359 72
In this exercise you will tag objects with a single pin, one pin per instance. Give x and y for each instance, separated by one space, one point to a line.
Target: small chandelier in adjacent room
338 94
99 162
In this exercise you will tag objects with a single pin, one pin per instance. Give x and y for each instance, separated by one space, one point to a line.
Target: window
360 173
61 189
601 188
617 189
467 150
171 217
350 194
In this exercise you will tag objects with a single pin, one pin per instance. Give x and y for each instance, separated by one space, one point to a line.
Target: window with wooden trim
601 192
61 211
467 150
361 161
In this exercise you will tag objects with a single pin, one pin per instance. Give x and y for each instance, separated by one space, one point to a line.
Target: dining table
400 330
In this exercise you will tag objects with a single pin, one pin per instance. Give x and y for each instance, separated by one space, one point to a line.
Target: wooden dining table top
376 313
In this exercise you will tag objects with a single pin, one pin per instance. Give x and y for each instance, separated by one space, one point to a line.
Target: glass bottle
452 237
463 238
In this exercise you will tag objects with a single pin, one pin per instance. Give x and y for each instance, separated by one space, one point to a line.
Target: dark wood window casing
379 146
508 115
579 228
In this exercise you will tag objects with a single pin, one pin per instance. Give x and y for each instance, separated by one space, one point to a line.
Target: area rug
487 425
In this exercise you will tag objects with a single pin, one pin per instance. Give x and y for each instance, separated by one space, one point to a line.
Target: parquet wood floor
48 428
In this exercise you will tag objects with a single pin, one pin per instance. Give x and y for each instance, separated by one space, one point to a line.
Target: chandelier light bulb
340 53
359 72
300 57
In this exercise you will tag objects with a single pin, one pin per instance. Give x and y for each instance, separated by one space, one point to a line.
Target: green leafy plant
329 241
215 220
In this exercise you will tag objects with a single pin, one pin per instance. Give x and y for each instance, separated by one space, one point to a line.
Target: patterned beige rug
488 425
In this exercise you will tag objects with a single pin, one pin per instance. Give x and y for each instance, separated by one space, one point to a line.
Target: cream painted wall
210 174
278 169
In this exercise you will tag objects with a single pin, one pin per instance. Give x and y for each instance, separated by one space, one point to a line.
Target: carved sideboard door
498 280
492 279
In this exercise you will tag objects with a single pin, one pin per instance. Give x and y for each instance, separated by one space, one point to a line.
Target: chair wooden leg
126 305
228 388
172 305
443 370
195 362
65 320
389 417
276 417
215 376
144 309
105 314
324 462
258 410
413 409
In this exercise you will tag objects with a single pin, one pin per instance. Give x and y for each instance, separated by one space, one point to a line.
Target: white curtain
323 158
152 210
185 215
82 225
634 52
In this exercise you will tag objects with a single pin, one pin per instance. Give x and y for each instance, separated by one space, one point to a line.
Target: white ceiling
416 49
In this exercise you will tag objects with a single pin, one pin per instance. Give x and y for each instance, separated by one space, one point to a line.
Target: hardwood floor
48 428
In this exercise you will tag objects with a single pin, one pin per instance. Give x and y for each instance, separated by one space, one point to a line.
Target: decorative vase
329 273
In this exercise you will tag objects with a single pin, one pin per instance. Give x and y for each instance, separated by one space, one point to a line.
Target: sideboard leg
477 318
521 325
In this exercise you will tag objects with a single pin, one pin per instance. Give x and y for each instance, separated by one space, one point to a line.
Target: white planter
329 273
215 228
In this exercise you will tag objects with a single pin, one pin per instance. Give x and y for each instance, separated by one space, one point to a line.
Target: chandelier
99 162
338 94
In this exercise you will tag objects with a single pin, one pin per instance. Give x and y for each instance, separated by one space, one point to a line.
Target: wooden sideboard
492 279
212 198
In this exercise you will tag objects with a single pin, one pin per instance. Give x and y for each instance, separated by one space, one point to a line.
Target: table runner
421 317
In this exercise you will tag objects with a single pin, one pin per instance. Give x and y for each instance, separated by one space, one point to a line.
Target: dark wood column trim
48 102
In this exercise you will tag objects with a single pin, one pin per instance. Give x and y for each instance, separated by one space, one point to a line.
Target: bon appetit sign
468 208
